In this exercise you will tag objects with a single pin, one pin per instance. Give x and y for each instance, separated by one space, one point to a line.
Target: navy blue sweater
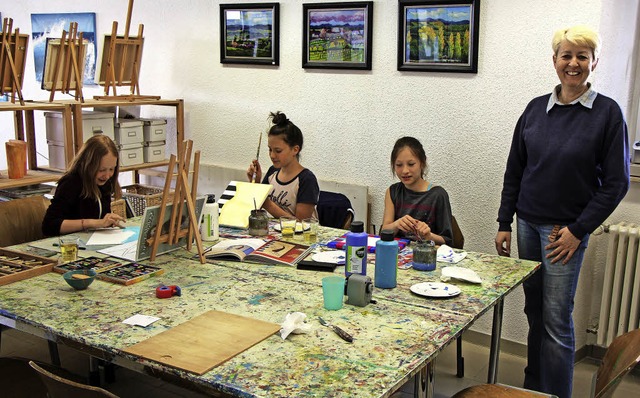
569 166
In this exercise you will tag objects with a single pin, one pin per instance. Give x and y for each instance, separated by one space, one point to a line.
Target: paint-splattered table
394 340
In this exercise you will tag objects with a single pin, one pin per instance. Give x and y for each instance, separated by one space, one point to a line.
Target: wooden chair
18 379
334 210
60 387
621 356
21 220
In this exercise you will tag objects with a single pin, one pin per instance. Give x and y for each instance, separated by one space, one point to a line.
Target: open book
257 250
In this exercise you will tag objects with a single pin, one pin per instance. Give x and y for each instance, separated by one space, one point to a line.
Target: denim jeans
549 295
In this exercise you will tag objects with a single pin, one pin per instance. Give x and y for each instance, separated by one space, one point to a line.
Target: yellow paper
235 213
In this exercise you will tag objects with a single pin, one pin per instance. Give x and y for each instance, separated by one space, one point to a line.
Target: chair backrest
334 210
458 238
21 220
622 355
59 387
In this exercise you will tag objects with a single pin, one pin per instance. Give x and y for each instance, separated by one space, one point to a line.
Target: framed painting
249 33
438 36
44 26
337 35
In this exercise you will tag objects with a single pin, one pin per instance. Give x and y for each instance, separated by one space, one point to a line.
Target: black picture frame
329 44
257 44
432 35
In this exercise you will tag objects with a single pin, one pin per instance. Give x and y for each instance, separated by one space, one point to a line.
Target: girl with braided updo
295 189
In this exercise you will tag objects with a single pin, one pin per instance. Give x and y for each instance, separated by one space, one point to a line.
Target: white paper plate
298 228
435 289
331 256
461 273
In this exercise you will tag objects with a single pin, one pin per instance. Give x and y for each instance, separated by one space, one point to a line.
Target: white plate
298 228
461 273
435 289
331 256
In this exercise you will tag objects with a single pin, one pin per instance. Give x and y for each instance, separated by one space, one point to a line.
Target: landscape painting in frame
337 35
46 26
439 36
249 33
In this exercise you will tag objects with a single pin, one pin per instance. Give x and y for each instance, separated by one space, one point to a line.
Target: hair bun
279 118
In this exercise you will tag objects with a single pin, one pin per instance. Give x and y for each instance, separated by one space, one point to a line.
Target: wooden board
16 265
204 342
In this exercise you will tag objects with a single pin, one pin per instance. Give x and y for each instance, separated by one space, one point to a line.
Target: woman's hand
410 225
563 247
254 172
503 243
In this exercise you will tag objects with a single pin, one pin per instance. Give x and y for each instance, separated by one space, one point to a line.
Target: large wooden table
395 339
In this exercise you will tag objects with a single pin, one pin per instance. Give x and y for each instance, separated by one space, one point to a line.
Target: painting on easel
46 26
150 224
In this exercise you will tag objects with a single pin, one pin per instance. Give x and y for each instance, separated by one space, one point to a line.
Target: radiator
620 306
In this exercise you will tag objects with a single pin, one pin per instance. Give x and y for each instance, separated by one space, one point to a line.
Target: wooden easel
118 51
68 60
182 193
14 49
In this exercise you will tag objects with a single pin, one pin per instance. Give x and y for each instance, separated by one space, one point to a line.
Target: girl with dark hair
295 189
83 195
414 208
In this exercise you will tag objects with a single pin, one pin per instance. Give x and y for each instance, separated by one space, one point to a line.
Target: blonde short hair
579 35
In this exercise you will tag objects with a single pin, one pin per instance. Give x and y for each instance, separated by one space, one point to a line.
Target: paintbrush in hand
253 179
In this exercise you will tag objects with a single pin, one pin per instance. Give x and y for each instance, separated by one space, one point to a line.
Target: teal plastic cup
333 292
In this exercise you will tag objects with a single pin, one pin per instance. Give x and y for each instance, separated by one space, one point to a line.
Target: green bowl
80 284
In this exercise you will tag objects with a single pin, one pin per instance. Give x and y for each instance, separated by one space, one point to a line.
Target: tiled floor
131 384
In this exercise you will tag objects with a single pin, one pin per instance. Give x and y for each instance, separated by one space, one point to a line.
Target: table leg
423 381
496 332
53 353
94 371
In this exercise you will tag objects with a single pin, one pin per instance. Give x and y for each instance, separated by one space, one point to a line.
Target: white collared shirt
585 99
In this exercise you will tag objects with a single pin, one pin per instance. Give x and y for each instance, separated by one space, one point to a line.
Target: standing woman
83 195
295 189
567 170
414 206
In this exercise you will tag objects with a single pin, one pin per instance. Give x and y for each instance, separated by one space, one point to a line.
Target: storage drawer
154 151
92 123
154 129
128 131
130 154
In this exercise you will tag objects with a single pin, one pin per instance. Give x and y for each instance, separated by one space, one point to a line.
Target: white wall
351 119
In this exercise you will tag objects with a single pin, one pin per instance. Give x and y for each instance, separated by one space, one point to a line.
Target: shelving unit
72 126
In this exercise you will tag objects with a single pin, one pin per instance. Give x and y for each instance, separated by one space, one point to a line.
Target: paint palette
127 274
94 263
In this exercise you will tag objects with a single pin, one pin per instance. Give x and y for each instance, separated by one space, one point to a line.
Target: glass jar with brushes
424 255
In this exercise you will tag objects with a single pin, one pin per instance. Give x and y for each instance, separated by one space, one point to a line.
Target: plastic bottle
356 262
209 225
386 260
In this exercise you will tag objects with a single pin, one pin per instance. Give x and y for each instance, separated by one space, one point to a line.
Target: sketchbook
260 251
249 196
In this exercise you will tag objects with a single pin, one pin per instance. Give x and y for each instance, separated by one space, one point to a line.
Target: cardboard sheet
204 342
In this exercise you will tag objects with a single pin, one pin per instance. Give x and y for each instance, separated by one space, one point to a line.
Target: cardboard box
128 131
92 123
154 151
130 154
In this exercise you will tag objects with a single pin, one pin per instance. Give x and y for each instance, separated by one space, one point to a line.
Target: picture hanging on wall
46 26
249 33
337 35
438 36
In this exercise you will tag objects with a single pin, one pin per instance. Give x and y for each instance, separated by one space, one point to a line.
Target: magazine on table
258 250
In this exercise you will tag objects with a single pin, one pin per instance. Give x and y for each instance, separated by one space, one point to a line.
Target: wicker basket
141 196
119 207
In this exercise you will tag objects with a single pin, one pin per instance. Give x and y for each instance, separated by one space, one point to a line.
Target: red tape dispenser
168 291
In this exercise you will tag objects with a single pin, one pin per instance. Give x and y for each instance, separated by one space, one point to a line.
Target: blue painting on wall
46 26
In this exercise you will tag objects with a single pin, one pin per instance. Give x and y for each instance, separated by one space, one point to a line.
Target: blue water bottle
356 262
386 260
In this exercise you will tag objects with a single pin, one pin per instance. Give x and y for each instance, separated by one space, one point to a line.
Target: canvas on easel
121 58
183 220
64 63
12 60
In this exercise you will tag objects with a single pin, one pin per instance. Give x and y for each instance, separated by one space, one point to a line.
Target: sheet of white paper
127 251
140 320
371 241
114 236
